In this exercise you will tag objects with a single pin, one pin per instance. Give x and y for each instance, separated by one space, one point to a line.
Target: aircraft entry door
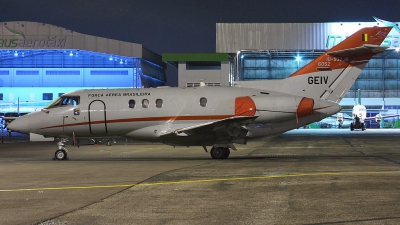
97 117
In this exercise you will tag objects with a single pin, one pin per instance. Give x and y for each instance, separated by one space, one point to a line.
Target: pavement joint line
332 173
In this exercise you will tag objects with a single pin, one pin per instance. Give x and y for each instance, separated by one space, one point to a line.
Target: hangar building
39 62
276 50
257 51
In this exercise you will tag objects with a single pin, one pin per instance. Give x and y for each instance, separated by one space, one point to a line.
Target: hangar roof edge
27 35
174 58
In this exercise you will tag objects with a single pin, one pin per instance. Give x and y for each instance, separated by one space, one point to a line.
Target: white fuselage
360 111
123 112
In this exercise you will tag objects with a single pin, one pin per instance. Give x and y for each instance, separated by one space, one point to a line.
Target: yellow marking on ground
205 180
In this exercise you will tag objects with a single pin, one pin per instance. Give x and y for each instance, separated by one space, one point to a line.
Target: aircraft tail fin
332 74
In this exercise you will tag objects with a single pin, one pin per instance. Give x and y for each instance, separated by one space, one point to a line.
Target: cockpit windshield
64 101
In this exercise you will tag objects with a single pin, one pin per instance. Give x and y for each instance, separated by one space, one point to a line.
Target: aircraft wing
223 131
344 117
382 117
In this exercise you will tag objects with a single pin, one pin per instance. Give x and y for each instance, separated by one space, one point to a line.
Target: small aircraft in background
359 116
336 121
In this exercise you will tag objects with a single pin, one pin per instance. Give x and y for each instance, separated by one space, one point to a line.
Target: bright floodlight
298 58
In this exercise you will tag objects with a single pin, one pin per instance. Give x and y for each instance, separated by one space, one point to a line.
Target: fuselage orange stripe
144 119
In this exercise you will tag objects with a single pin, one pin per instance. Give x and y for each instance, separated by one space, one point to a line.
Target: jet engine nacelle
275 109
284 108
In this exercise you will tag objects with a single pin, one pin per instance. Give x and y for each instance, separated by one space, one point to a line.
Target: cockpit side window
75 100
64 101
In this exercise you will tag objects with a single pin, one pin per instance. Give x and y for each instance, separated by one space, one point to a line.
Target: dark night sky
186 25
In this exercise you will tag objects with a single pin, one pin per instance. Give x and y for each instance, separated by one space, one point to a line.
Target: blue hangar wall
39 62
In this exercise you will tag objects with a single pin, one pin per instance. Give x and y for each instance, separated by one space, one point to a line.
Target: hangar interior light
61 58
278 64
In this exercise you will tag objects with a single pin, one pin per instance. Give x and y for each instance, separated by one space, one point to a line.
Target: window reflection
132 103
159 103
64 101
145 103
203 102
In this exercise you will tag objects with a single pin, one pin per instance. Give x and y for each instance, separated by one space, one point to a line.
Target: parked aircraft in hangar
336 121
359 116
211 116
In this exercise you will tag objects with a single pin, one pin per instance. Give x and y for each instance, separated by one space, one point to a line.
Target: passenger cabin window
132 103
64 101
203 102
145 103
159 103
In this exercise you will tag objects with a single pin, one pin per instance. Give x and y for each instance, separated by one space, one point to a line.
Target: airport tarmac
321 176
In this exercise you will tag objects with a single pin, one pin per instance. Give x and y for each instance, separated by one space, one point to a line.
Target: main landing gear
220 152
61 153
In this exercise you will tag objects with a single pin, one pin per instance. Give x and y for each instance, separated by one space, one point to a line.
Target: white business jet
211 116
359 116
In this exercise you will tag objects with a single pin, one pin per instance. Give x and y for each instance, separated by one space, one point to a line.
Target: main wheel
362 126
60 155
217 153
351 126
227 152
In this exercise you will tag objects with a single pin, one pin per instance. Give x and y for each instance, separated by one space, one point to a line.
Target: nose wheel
61 153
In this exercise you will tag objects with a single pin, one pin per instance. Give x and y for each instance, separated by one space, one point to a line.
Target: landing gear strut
61 153
220 152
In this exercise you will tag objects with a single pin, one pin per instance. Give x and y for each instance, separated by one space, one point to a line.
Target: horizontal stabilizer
365 49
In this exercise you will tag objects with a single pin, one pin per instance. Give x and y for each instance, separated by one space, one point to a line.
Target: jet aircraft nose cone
20 125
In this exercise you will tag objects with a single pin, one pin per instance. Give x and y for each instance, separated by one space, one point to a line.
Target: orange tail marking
305 108
368 35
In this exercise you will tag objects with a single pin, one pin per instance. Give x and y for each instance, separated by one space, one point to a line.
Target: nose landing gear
61 153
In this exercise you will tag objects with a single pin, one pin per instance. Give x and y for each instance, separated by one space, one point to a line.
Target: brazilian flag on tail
364 37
